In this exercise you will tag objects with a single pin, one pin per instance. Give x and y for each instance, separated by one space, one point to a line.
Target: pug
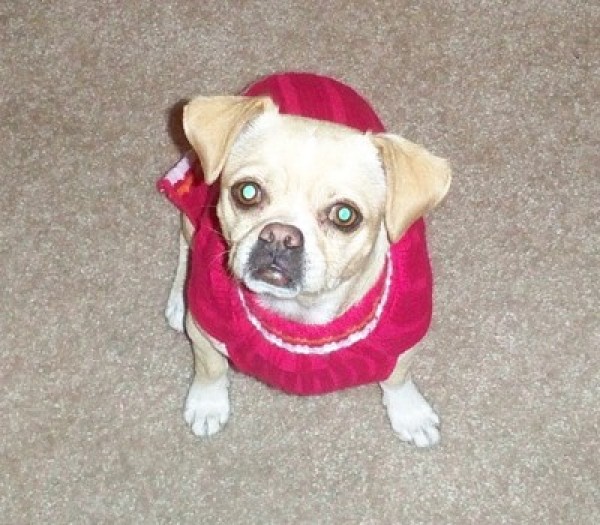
303 259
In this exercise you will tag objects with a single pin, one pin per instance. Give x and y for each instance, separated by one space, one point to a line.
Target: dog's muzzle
278 256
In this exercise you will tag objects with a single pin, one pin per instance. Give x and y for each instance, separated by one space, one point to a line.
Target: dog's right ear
211 125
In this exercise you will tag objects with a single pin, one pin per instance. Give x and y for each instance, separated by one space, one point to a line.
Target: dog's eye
344 216
246 193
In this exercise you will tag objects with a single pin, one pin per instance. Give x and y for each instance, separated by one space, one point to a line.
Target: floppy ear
211 124
416 181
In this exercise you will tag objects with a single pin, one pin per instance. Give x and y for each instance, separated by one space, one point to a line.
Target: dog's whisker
219 257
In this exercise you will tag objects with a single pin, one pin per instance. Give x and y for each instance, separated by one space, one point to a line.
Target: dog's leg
411 416
175 310
207 403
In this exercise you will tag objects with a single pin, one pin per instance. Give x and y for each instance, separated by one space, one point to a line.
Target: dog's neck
326 306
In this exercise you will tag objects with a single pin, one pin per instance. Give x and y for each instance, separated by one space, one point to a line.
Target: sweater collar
345 330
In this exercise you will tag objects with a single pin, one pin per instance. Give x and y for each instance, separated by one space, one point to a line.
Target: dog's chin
261 287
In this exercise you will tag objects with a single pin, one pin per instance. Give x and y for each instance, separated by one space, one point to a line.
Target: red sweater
360 346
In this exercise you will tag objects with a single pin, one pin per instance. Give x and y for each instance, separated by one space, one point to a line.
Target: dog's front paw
207 407
411 416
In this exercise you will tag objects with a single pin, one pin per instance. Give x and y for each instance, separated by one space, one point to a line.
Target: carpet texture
92 381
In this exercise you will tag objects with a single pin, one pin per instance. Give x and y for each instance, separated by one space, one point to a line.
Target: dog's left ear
416 180
211 124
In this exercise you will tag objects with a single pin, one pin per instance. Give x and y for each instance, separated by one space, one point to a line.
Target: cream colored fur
304 166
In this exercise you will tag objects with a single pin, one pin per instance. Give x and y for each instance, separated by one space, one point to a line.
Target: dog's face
301 204
305 205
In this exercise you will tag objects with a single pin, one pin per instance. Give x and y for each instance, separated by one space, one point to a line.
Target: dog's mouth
273 279
274 275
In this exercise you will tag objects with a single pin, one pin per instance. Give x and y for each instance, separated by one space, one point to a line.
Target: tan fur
401 371
209 364
187 229
211 124
417 181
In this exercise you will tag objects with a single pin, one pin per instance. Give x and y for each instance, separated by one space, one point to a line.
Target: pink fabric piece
294 357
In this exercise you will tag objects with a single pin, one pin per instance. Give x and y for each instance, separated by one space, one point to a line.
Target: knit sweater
360 346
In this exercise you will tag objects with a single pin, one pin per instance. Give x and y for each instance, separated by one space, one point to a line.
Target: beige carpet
92 380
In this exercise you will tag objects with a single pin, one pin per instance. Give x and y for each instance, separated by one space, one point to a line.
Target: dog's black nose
277 258
282 235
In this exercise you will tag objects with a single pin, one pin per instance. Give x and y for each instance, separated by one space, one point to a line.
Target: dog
302 258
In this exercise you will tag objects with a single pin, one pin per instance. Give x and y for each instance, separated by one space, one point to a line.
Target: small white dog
313 274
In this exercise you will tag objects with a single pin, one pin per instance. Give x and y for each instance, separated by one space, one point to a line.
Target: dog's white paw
207 407
175 310
411 416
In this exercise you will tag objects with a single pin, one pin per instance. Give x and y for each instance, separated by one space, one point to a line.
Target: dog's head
307 205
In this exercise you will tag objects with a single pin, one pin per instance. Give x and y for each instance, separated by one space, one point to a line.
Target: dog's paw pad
175 311
411 416
207 407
